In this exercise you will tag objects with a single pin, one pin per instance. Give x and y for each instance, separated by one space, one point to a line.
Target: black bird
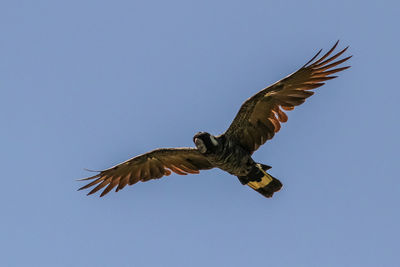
257 121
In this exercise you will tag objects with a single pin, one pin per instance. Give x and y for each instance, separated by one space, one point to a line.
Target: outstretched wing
152 165
260 116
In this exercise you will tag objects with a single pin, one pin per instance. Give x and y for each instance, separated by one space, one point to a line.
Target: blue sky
88 84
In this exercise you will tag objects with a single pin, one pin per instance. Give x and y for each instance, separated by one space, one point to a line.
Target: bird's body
230 157
226 154
257 121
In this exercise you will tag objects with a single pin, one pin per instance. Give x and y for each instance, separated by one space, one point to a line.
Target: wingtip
314 57
335 45
104 193
89 170
83 179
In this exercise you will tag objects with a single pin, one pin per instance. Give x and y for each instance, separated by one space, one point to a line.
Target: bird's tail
261 181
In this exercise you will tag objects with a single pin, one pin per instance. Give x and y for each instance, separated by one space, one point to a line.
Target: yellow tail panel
265 180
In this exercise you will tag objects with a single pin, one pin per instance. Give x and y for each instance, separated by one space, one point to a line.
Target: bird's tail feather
263 182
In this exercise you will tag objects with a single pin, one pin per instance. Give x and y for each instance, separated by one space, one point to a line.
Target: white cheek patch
213 140
200 145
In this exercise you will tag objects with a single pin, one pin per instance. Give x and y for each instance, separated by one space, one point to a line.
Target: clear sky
88 84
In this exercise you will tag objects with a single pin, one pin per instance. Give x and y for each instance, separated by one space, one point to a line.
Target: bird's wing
152 165
260 116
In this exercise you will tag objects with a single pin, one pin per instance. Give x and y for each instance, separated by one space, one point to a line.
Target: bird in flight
257 121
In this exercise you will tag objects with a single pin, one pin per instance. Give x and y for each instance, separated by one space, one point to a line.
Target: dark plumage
257 121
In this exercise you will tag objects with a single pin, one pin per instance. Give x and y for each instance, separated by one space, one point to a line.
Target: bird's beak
200 145
198 142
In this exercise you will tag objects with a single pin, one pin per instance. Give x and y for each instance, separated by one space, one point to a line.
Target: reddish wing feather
264 110
152 165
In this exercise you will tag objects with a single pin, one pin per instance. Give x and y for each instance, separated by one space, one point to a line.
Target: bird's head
205 142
